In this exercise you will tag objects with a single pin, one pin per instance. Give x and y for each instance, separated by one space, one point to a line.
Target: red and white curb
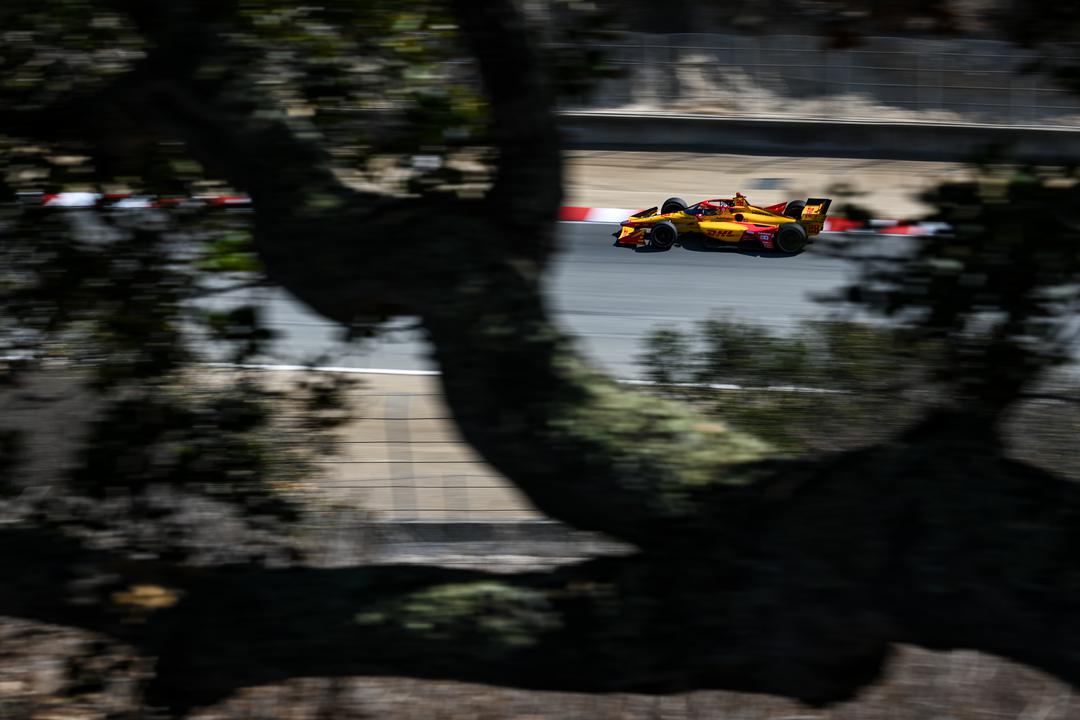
127 201
832 224
566 214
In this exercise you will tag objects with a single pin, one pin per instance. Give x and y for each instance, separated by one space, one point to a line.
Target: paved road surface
610 298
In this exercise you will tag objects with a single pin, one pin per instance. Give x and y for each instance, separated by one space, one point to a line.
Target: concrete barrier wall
780 136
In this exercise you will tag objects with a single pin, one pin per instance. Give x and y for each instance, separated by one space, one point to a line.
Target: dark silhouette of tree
791 577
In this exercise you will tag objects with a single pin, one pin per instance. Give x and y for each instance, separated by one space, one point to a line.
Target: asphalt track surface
610 298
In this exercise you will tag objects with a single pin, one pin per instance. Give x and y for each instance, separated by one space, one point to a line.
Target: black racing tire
791 238
663 235
794 209
673 205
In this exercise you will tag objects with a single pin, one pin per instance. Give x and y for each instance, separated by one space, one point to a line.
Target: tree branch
583 449
527 188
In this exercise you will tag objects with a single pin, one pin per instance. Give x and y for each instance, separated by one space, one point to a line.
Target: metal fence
796 76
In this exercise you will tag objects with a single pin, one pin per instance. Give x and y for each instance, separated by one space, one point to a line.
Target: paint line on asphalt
391 371
320 368
732 386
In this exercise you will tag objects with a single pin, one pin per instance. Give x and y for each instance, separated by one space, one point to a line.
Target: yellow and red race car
786 227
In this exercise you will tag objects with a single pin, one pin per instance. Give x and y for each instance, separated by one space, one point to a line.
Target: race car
786 227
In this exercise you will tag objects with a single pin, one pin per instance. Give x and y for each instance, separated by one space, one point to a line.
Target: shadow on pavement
698 243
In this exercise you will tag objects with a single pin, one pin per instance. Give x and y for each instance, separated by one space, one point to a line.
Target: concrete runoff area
401 457
887 188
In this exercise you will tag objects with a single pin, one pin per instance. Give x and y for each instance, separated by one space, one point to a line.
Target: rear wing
813 206
816 206
813 215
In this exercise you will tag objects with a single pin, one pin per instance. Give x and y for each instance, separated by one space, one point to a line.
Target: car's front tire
663 235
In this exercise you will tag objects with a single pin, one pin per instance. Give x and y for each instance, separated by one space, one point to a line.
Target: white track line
321 368
391 371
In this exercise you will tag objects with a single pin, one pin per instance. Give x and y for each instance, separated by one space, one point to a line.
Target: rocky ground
52 673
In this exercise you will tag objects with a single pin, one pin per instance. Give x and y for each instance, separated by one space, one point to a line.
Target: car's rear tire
791 238
673 205
663 235
794 209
